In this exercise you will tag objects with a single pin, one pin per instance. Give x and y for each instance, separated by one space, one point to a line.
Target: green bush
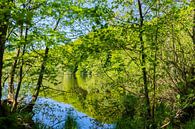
70 123
129 123
190 125
8 122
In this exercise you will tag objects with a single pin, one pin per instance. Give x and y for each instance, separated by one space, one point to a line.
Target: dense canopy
129 62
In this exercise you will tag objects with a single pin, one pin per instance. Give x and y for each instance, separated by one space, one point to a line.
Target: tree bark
3 33
12 75
13 69
193 36
154 74
42 70
3 29
143 65
20 73
41 73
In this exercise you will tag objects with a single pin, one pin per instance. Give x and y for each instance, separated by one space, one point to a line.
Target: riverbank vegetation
137 58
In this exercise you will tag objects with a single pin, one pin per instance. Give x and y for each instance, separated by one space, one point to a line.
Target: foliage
17 121
189 125
131 53
70 123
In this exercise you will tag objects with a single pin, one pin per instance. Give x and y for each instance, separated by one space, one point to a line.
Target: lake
76 96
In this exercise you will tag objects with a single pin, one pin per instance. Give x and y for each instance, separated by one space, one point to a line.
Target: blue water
53 114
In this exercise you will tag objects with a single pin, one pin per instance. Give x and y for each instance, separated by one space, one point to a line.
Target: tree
4 23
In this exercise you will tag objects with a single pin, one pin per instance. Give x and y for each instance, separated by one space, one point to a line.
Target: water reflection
69 91
87 95
52 114
71 85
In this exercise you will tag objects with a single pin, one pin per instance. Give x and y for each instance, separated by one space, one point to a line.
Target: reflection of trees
80 92
53 92
75 91
69 91
89 95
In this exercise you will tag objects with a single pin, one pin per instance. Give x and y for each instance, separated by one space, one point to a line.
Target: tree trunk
41 73
20 73
3 34
42 70
143 65
12 72
193 36
3 29
11 77
154 74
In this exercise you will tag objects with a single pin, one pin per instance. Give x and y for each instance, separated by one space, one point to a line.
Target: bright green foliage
101 40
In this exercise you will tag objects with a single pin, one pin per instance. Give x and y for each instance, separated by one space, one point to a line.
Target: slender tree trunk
11 77
41 73
154 75
3 34
12 73
154 68
193 36
143 65
20 73
42 70
3 30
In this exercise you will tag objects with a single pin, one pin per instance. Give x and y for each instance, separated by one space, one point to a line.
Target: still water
53 114
80 97
75 96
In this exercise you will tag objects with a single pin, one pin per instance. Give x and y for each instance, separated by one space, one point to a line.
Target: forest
116 64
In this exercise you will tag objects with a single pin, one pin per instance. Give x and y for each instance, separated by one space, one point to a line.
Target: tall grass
70 123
